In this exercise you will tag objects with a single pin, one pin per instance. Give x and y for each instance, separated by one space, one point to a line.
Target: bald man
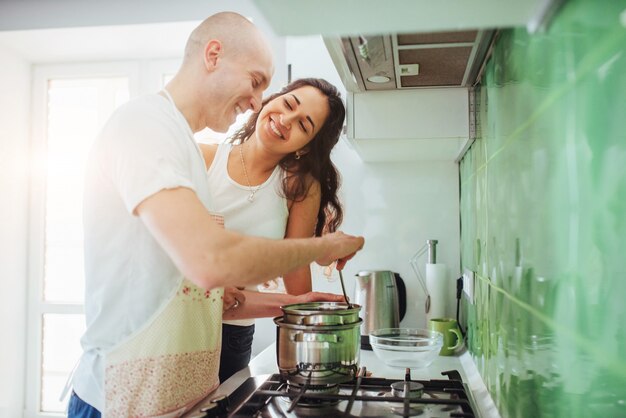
156 258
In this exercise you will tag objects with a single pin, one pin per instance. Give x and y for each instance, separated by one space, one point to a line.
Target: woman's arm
263 305
301 224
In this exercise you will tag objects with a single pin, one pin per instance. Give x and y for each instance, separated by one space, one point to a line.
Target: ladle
343 289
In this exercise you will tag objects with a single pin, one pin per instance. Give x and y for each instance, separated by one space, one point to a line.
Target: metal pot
317 354
320 313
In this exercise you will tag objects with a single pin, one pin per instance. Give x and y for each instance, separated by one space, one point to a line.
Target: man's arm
212 257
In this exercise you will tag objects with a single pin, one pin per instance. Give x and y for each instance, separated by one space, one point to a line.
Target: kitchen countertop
265 364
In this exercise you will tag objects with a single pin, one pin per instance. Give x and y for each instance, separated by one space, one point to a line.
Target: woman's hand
233 297
264 305
318 297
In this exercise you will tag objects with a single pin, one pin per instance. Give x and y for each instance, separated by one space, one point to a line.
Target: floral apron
171 363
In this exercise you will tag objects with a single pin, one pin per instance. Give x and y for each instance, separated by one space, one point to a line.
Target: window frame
144 77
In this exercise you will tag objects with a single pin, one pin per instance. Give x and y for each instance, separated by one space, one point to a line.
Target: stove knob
222 403
210 411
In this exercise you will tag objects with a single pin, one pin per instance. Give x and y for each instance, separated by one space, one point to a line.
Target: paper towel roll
437 285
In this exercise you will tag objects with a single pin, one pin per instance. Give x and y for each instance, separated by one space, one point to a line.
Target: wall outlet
468 284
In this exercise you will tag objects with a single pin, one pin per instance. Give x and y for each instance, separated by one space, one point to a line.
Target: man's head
227 66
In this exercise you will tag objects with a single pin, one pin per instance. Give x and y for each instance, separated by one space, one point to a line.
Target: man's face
242 78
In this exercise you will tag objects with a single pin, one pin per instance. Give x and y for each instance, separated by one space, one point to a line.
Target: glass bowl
406 347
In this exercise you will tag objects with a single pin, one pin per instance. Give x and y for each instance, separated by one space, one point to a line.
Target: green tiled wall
543 217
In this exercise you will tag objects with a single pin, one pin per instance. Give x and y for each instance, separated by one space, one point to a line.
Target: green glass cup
452 338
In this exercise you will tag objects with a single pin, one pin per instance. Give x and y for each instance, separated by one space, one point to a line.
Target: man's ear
212 51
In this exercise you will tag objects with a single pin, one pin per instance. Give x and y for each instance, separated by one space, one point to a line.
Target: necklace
253 190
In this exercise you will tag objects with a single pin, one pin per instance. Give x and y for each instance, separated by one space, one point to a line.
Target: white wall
396 207
14 110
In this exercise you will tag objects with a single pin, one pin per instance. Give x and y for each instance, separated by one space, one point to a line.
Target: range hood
409 60
409 94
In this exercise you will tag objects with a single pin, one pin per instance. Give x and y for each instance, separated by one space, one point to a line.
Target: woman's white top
265 216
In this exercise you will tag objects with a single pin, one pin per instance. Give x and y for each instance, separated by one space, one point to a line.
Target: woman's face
289 122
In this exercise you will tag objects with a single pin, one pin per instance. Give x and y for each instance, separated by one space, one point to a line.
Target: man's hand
341 247
233 297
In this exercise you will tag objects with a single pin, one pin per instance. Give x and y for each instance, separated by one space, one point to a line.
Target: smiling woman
280 170
314 142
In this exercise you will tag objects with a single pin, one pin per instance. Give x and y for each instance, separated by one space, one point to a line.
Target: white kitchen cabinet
332 17
409 125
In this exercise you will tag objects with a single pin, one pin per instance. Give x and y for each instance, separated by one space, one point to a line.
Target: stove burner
307 401
413 411
407 390
411 390
313 389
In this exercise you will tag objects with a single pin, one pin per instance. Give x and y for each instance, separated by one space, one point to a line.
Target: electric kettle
382 296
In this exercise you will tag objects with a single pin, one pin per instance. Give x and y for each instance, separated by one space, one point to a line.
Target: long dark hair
316 161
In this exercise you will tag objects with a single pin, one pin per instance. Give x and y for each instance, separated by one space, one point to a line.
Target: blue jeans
236 349
78 408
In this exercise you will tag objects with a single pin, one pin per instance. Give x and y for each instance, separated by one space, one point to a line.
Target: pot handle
301 337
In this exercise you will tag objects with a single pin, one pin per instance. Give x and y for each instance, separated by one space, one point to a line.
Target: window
71 103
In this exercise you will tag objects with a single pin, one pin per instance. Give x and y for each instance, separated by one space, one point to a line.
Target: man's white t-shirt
145 147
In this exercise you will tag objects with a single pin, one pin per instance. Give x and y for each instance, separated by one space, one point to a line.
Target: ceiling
99 43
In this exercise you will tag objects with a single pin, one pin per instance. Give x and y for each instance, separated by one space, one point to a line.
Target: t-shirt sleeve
143 157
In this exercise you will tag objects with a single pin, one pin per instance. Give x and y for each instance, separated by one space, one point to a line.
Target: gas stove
272 396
